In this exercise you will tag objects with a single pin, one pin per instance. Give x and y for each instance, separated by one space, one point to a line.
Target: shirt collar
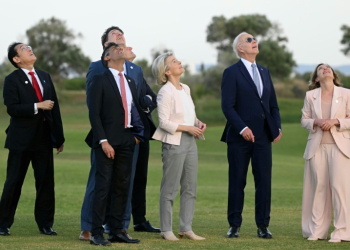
27 71
247 64
116 72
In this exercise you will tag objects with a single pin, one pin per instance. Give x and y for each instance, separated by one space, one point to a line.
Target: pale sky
312 26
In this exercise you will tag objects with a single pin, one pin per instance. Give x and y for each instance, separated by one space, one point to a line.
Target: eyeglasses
250 39
24 48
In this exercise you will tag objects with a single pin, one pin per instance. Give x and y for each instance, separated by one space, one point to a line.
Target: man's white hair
236 42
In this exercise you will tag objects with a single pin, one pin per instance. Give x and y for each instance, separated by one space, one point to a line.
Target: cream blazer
171 114
340 110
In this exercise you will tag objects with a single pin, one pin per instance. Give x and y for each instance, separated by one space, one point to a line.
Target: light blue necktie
256 78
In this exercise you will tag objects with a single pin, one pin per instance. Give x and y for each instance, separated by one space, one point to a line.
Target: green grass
71 173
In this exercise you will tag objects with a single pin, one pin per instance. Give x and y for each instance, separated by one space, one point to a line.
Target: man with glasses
147 100
35 128
253 122
116 127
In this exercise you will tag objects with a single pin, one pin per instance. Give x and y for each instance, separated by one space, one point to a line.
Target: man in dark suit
148 102
253 121
117 126
35 128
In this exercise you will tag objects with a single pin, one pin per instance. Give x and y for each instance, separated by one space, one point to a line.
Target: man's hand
108 150
278 137
248 135
137 140
60 149
45 105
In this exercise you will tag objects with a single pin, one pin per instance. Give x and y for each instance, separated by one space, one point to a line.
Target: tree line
57 53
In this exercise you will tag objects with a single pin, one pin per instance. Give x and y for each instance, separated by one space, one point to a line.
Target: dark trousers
140 182
111 175
239 155
17 166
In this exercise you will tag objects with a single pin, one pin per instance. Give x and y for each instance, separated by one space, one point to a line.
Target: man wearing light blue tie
253 122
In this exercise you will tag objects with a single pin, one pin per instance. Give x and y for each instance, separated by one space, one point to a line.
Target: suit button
261 101
263 116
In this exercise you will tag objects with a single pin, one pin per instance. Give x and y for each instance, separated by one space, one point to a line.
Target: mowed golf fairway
72 169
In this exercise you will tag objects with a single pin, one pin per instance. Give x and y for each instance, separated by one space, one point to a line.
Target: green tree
5 69
53 45
272 46
345 39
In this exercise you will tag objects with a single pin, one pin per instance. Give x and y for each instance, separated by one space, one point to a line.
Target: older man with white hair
253 122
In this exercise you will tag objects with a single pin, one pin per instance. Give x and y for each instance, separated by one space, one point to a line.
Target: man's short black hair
104 36
12 52
106 53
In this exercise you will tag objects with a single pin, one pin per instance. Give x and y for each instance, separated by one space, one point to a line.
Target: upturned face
248 45
324 71
115 54
25 54
115 36
129 54
174 67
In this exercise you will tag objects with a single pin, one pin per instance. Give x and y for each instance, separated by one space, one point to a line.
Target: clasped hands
326 124
196 131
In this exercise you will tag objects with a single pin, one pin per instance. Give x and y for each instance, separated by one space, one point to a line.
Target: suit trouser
114 175
17 166
180 166
239 155
326 183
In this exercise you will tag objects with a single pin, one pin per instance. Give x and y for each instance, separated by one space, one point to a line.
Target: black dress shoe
146 227
47 231
99 240
4 231
263 232
122 238
233 232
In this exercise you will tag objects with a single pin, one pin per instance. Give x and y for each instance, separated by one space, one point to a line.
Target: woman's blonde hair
314 85
159 67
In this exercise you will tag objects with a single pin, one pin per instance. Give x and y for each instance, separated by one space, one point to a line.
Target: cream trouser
326 184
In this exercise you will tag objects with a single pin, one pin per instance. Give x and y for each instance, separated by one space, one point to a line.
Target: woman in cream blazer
326 114
178 128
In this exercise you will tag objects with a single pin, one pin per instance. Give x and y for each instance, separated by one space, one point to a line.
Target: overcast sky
312 26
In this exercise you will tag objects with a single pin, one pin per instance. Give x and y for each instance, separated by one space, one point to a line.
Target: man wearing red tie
116 127
35 128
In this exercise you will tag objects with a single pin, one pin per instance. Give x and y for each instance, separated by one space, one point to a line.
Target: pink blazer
340 110
171 114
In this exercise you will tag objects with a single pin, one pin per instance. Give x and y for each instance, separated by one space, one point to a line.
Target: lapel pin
336 101
44 80
128 80
261 68
26 82
131 67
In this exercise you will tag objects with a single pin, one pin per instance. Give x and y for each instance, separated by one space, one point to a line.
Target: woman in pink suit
326 114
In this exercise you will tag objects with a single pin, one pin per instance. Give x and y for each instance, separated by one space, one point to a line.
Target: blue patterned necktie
256 79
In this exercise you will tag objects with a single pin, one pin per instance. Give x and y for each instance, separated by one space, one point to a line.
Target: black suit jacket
106 112
19 97
242 105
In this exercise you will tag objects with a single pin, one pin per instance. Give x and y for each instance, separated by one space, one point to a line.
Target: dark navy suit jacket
135 72
243 107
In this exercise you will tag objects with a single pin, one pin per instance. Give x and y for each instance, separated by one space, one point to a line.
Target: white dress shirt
188 107
39 83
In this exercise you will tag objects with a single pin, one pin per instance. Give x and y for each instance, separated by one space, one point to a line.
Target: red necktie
36 87
125 105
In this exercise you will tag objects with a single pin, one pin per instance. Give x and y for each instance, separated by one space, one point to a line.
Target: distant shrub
78 83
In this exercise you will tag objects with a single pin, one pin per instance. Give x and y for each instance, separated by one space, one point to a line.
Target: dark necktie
125 104
36 87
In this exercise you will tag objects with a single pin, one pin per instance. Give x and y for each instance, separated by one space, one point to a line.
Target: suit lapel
27 84
247 76
114 86
337 99
317 102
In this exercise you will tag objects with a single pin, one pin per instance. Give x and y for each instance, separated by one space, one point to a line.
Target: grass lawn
71 173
